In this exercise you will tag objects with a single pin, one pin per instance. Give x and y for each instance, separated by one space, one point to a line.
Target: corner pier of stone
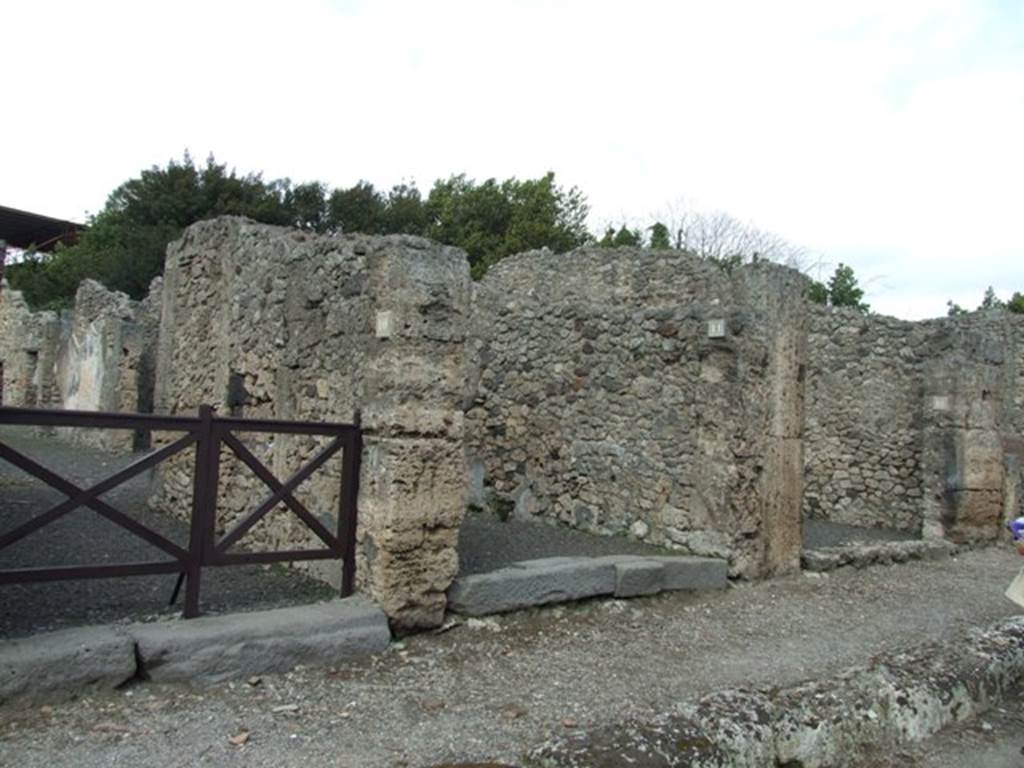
267 322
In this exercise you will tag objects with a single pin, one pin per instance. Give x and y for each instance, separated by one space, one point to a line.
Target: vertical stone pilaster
412 489
779 297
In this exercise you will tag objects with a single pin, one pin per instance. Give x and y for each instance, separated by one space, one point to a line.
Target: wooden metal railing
208 434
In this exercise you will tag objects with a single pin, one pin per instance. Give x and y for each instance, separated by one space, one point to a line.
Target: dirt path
487 690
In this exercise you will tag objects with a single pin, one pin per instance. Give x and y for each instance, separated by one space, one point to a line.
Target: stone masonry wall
974 425
105 361
29 344
915 426
863 428
265 322
97 356
643 393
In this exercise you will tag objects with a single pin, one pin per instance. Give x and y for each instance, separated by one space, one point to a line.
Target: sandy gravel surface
488 690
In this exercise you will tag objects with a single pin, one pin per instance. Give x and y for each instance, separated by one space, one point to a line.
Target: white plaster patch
385 324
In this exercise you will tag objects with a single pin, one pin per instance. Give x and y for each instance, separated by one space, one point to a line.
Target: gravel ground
490 689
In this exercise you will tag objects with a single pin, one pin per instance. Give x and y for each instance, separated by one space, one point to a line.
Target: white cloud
885 135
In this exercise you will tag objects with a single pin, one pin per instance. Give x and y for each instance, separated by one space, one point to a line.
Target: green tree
660 237
493 220
818 292
843 290
360 208
307 206
624 237
954 310
405 211
990 300
125 242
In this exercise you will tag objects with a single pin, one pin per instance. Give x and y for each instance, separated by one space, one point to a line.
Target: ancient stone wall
105 361
974 425
863 427
96 357
265 322
29 345
915 425
644 393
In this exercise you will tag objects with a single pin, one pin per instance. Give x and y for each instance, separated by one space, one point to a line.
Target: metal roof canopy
21 229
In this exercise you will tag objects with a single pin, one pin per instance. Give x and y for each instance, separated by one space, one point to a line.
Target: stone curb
66 662
560 579
215 648
863 555
209 649
898 698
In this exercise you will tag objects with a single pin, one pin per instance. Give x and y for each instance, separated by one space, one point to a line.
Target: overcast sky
886 134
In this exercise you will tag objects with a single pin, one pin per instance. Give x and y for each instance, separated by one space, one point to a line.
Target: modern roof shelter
21 229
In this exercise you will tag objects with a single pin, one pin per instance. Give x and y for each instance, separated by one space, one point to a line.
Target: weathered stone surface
222 647
862 555
29 344
982 459
901 417
97 356
65 663
975 515
638 576
599 398
693 572
266 322
512 588
899 698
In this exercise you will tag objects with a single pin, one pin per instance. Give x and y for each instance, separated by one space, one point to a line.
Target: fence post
348 514
201 512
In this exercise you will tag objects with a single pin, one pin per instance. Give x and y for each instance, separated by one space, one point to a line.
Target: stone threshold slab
208 649
549 580
885 553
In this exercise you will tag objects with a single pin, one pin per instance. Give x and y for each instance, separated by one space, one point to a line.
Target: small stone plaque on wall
716 328
385 324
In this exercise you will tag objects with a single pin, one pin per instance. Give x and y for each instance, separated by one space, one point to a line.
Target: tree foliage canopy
990 301
124 244
841 290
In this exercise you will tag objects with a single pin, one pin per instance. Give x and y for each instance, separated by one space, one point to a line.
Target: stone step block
215 648
64 663
688 572
531 583
635 575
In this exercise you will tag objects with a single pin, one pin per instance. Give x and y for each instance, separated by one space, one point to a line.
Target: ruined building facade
623 392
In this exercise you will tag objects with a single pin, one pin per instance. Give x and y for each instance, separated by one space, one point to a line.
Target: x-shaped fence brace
207 434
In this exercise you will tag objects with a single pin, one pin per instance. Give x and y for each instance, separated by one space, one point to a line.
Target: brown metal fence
207 433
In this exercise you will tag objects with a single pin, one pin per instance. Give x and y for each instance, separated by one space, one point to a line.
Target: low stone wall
643 393
266 322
